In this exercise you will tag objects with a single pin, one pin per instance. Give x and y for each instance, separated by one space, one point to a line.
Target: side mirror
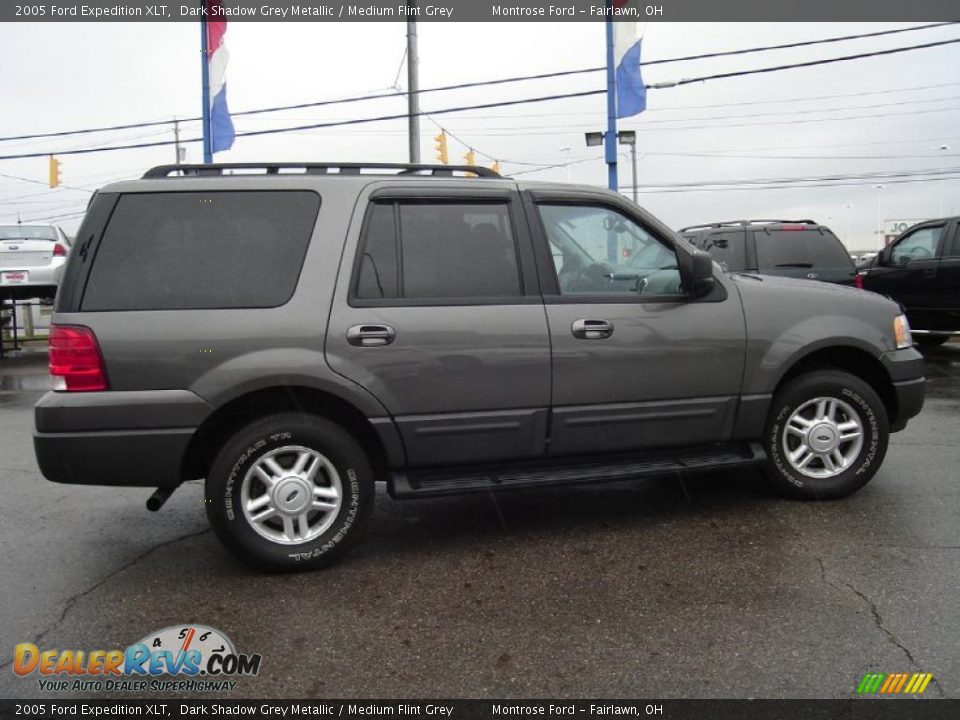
702 280
883 257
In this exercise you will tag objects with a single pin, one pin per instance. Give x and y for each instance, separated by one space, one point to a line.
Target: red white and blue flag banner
221 125
627 40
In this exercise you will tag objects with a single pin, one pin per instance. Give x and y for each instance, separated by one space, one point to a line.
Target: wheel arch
241 410
854 360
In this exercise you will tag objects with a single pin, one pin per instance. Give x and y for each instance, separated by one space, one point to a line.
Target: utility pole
413 84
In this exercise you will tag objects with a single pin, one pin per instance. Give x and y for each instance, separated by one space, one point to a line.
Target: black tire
929 341
791 482
251 445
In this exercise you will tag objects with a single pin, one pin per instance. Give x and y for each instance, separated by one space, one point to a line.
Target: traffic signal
470 157
441 147
496 166
54 172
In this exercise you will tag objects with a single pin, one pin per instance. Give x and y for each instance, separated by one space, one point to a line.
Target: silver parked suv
294 333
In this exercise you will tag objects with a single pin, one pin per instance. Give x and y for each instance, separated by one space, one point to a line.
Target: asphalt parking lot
660 589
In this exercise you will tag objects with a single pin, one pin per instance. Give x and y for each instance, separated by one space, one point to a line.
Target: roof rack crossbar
746 223
217 169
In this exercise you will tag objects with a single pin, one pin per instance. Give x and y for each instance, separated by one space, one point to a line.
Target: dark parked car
921 271
292 334
789 248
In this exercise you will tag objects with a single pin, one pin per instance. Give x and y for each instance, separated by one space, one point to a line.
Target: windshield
27 232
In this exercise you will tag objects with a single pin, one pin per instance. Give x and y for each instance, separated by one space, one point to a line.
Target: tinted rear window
447 250
785 252
197 250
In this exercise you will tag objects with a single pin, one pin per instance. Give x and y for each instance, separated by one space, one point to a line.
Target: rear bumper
116 438
137 458
43 278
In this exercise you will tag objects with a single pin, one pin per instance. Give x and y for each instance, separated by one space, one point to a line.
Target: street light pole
567 151
846 209
943 151
413 86
878 188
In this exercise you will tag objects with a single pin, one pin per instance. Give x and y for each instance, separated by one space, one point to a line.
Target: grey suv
293 334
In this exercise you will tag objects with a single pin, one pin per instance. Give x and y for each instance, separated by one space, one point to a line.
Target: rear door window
802 253
202 250
438 250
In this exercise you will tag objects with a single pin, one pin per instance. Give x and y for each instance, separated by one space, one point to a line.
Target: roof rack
218 169
746 223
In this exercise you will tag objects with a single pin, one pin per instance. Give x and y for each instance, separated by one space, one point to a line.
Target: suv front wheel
825 437
289 492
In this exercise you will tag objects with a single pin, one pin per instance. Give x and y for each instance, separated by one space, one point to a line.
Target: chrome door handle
371 335
592 329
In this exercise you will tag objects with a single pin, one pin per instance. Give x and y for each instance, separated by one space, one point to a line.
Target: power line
507 103
552 129
791 186
810 63
880 175
501 81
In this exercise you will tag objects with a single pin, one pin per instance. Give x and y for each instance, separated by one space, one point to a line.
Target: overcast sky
888 113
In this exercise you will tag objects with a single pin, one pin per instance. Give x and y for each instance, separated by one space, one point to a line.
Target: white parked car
31 261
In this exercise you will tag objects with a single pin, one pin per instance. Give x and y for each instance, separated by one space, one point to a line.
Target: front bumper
906 371
136 438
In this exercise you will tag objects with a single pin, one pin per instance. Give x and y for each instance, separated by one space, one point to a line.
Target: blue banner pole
610 138
205 94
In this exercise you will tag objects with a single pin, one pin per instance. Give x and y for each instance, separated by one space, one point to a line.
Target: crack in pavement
74 599
877 619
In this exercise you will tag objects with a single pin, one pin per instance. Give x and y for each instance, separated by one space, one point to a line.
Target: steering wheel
919 253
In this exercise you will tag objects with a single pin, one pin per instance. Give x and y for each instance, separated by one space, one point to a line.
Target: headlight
901 332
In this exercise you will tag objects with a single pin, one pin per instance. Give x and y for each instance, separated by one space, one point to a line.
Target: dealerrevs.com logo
203 658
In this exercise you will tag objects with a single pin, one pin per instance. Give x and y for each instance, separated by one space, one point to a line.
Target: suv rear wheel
826 436
289 492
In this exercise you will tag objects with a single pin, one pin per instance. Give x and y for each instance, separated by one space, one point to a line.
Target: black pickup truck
921 271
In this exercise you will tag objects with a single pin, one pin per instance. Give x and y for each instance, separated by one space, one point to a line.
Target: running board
434 482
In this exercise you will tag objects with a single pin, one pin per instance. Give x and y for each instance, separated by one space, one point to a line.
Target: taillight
858 281
59 250
75 360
